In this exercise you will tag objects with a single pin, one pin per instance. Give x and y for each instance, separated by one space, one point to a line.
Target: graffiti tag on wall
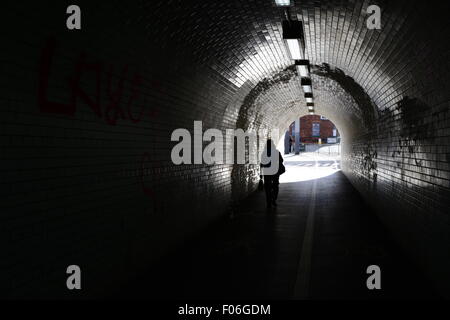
116 105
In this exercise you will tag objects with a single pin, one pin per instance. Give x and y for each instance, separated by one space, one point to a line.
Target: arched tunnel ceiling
219 62
280 101
242 40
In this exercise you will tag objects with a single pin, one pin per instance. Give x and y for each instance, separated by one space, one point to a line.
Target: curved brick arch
279 102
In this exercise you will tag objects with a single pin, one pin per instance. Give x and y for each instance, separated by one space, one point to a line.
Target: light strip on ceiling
293 37
283 3
302 68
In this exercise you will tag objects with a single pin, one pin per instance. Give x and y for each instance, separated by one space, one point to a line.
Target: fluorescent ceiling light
311 112
303 71
306 85
293 36
283 3
309 100
302 68
307 89
295 50
311 108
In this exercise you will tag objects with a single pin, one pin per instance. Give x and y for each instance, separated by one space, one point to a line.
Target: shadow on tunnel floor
256 254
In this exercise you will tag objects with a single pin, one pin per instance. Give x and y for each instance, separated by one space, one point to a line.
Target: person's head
270 156
270 146
270 142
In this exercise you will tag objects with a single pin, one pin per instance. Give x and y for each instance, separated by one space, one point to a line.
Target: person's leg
275 184
268 189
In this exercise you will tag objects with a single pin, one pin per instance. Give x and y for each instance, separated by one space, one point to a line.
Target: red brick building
313 127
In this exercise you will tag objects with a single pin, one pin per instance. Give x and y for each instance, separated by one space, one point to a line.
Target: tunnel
87 122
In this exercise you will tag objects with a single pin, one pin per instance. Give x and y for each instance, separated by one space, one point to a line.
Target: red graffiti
74 81
112 109
44 75
136 82
116 105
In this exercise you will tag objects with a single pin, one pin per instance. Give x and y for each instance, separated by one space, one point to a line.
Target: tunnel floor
316 244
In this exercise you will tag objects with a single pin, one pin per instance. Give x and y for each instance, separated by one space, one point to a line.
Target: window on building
316 129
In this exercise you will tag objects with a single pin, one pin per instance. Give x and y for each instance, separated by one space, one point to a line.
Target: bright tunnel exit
311 149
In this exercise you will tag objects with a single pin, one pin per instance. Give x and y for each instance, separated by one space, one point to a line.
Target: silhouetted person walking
287 142
271 168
